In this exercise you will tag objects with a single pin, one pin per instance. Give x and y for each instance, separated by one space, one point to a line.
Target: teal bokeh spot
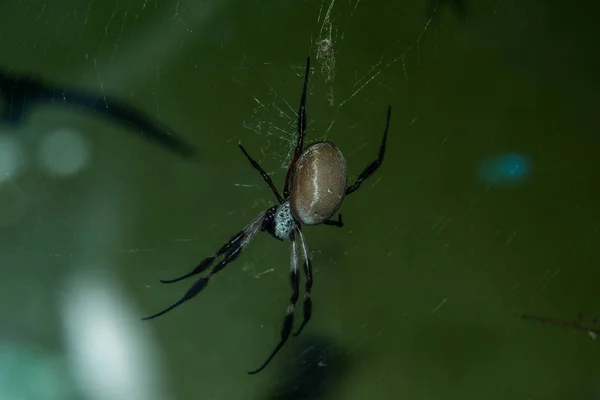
505 169
29 374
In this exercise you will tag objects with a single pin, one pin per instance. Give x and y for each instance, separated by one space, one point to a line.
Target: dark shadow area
315 372
22 92
458 8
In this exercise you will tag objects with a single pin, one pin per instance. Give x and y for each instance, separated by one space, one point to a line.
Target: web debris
325 50
283 128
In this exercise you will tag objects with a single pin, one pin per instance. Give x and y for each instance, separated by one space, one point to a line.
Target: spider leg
288 321
339 223
265 176
236 245
200 284
204 264
307 308
375 164
301 132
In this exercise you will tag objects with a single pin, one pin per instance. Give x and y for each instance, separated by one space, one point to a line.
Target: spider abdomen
319 183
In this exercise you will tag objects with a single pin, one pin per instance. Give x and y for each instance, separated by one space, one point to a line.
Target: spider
315 186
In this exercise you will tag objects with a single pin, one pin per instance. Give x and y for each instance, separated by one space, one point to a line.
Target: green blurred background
485 208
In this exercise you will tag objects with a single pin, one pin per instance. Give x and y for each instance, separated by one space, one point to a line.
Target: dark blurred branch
23 92
573 325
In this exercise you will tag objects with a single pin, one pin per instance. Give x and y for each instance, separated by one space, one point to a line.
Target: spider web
275 116
467 265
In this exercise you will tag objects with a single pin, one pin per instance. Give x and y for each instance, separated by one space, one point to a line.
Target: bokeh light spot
64 153
505 169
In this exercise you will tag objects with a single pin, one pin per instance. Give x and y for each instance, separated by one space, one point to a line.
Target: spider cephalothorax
315 186
282 223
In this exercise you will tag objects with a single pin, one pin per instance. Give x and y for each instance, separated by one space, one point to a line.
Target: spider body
316 193
315 186
318 183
